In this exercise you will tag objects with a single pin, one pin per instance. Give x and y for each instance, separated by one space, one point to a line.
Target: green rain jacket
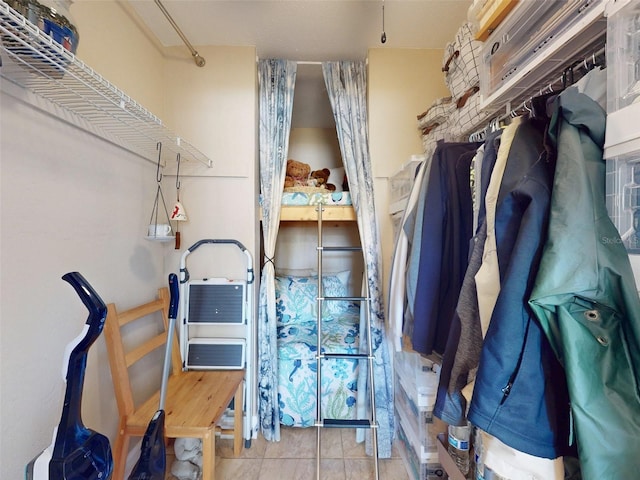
585 297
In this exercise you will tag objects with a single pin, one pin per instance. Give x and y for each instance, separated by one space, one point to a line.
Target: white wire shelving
34 61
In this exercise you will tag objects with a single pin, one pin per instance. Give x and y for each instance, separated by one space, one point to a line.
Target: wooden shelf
491 15
308 213
546 67
446 461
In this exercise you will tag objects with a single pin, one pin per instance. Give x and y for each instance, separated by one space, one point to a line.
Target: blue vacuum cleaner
152 463
77 452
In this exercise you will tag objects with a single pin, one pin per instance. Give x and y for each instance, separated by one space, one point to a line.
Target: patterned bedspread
305 198
297 369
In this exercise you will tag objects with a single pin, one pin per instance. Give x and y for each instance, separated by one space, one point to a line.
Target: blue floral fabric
276 80
297 370
296 297
302 199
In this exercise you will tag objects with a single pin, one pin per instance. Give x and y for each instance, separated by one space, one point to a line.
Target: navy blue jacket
520 394
446 231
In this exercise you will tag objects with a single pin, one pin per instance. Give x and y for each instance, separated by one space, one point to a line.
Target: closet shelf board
44 69
308 213
546 67
491 15
447 461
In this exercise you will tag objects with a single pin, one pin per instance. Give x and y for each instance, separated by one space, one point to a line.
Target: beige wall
115 46
215 108
318 147
71 201
402 84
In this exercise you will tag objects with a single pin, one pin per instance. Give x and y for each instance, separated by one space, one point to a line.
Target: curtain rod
200 61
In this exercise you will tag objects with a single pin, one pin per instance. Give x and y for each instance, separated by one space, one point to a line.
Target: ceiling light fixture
383 37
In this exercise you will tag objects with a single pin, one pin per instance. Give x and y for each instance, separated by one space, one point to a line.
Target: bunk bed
302 206
296 313
346 86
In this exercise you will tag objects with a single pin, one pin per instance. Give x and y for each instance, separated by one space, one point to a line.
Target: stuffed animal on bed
297 174
320 178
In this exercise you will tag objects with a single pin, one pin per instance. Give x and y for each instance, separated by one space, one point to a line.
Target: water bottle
459 446
477 455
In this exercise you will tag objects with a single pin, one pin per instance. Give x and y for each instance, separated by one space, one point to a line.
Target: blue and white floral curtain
276 80
346 84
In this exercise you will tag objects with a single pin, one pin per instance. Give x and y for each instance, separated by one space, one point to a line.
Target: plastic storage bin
623 198
427 467
523 35
418 377
623 55
622 143
418 427
401 183
416 386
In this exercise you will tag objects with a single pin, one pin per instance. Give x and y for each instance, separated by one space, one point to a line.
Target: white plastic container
525 34
623 54
622 143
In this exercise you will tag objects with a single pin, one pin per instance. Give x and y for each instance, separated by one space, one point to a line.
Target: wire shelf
37 63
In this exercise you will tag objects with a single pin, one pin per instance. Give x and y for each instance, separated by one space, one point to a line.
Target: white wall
70 202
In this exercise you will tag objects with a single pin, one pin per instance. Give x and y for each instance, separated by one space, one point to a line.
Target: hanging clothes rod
562 80
479 135
200 61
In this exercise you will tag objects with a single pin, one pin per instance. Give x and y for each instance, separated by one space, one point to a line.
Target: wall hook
178 175
158 171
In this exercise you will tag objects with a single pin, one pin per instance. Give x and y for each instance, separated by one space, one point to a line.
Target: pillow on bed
336 177
295 272
296 296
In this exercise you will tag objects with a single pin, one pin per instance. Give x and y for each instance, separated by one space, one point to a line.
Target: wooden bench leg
209 455
120 451
238 431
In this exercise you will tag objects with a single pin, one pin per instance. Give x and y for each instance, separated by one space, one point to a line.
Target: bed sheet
317 198
297 370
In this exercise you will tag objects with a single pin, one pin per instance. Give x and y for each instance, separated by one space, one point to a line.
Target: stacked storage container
622 145
400 186
415 396
453 117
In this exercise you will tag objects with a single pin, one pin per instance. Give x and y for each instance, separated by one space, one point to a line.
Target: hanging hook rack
154 232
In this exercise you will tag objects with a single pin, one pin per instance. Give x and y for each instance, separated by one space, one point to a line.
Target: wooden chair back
121 361
195 402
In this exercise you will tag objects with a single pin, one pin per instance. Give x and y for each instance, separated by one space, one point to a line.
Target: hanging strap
455 54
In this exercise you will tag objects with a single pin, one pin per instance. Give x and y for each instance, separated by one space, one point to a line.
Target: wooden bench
195 401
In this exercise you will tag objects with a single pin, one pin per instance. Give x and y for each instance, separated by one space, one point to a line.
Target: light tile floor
293 458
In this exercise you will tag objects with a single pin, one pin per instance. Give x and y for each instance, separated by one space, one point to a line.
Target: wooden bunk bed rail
308 213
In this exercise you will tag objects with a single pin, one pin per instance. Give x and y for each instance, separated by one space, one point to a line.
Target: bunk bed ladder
321 422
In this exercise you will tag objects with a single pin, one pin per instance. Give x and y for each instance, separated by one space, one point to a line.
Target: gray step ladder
321 422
